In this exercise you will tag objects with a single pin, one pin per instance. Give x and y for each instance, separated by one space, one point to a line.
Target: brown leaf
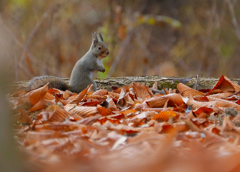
155 85
41 104
49 96
163 127
186 91
24 118
221 95
197 104
89 120
141 91
101 92
202 110
125 88
114 95
67 94
229 128
57 115
225 85
129 111
175 99
164 116
157 102
79 97
104 111
103 120
92 103
38 94
111 104
83 111
96 97
224 103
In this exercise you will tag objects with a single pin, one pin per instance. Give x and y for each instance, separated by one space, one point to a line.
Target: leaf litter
130 128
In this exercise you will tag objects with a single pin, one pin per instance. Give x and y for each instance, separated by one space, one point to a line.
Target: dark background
145 37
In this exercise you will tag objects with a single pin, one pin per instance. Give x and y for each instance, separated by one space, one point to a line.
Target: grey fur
54 82
82 72
81 75
99 36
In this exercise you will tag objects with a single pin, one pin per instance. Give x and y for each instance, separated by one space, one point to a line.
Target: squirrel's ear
94 39
99 36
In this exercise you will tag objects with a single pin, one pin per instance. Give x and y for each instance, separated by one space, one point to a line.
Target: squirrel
83 71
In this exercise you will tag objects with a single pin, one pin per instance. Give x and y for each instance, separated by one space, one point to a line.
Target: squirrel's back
54 82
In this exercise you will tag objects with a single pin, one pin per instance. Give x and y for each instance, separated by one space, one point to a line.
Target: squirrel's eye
99 48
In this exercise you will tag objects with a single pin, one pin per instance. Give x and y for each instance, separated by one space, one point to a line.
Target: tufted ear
94 39
99 36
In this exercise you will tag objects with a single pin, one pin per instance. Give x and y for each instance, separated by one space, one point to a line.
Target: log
166 82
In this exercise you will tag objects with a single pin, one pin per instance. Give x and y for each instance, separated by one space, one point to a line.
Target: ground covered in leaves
130 128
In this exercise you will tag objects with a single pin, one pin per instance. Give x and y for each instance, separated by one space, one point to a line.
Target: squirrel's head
98 47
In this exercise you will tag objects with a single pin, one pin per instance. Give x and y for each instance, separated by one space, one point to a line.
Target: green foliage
158 20
227 50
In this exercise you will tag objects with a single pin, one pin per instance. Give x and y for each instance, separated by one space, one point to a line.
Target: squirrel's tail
54 82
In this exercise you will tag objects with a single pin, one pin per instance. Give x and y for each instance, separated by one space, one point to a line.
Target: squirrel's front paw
102 69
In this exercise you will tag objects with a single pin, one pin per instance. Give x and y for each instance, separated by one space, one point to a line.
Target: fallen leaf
38 94
186 91
225 85
24 118
164 116
79 97
82 111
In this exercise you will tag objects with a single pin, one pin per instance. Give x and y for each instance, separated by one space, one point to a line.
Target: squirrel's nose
107 52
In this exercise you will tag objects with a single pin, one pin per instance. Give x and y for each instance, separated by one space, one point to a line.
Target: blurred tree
157 37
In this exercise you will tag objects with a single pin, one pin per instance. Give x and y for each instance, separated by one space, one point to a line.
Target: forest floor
130 128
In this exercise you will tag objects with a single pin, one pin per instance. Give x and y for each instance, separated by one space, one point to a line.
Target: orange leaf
224 103
49 96
202 110
101 92
41 104
105 119
221 95
159 101
66 94
186 91
58 115
24 118
94 103
225 85
38 94
79 97
164 116
156 102
83 111
104 111
141 91
129 111
96 97
118 90
196 104
238 102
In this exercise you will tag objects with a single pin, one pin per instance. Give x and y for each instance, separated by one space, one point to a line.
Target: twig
21 46
196 82
119 55
234 20
32 34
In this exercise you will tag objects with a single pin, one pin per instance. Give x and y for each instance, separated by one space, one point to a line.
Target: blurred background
145 37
